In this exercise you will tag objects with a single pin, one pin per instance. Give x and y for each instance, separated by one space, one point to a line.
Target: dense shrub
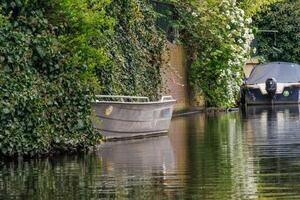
283 17
252 7
44 96
85 32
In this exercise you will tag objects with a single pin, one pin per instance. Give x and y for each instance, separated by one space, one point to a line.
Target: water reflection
273 135
135 157
218 160
273 125
140 166
244 155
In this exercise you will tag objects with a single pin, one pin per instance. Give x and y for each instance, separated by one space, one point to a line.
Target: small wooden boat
272 83
121 117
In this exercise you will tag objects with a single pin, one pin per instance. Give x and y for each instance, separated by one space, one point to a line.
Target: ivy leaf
80 124
40 51
6 111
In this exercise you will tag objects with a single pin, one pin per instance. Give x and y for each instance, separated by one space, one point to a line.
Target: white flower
242 12
249 20
194 14
254 50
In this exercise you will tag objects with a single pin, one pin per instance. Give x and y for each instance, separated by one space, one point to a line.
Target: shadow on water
244 155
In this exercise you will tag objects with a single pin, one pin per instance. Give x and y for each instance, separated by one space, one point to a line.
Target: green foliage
44 99
86 29
2 18
56 54
251 7
134 51
117 41
218 38
285 18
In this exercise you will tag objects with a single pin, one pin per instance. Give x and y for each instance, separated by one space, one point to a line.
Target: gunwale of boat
134 100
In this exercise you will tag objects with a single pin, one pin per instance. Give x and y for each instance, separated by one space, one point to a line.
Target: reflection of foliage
64 178
76 177
285 18
209 159
218 158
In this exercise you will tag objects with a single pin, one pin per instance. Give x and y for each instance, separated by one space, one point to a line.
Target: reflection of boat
272 134
273 125
126 116
150 155
272 83
261 110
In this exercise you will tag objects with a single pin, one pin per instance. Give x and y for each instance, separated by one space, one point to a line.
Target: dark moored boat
272 83
126 116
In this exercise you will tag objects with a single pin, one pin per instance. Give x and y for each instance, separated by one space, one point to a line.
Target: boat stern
285 93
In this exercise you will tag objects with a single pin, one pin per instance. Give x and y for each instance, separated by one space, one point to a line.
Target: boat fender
271 87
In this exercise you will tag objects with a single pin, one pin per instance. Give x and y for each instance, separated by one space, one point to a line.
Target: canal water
253 154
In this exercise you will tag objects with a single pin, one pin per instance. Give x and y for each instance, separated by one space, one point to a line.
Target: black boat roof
283 72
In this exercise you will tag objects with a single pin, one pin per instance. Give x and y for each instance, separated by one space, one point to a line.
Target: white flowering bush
219 37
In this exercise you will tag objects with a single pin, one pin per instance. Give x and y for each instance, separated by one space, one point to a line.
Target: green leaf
6 111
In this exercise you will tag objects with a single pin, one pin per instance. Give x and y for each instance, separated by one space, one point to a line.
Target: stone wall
174 75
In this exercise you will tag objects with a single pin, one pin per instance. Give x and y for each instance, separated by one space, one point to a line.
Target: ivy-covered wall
134 50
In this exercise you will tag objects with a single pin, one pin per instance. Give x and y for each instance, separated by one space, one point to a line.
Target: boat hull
124 120
254 96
